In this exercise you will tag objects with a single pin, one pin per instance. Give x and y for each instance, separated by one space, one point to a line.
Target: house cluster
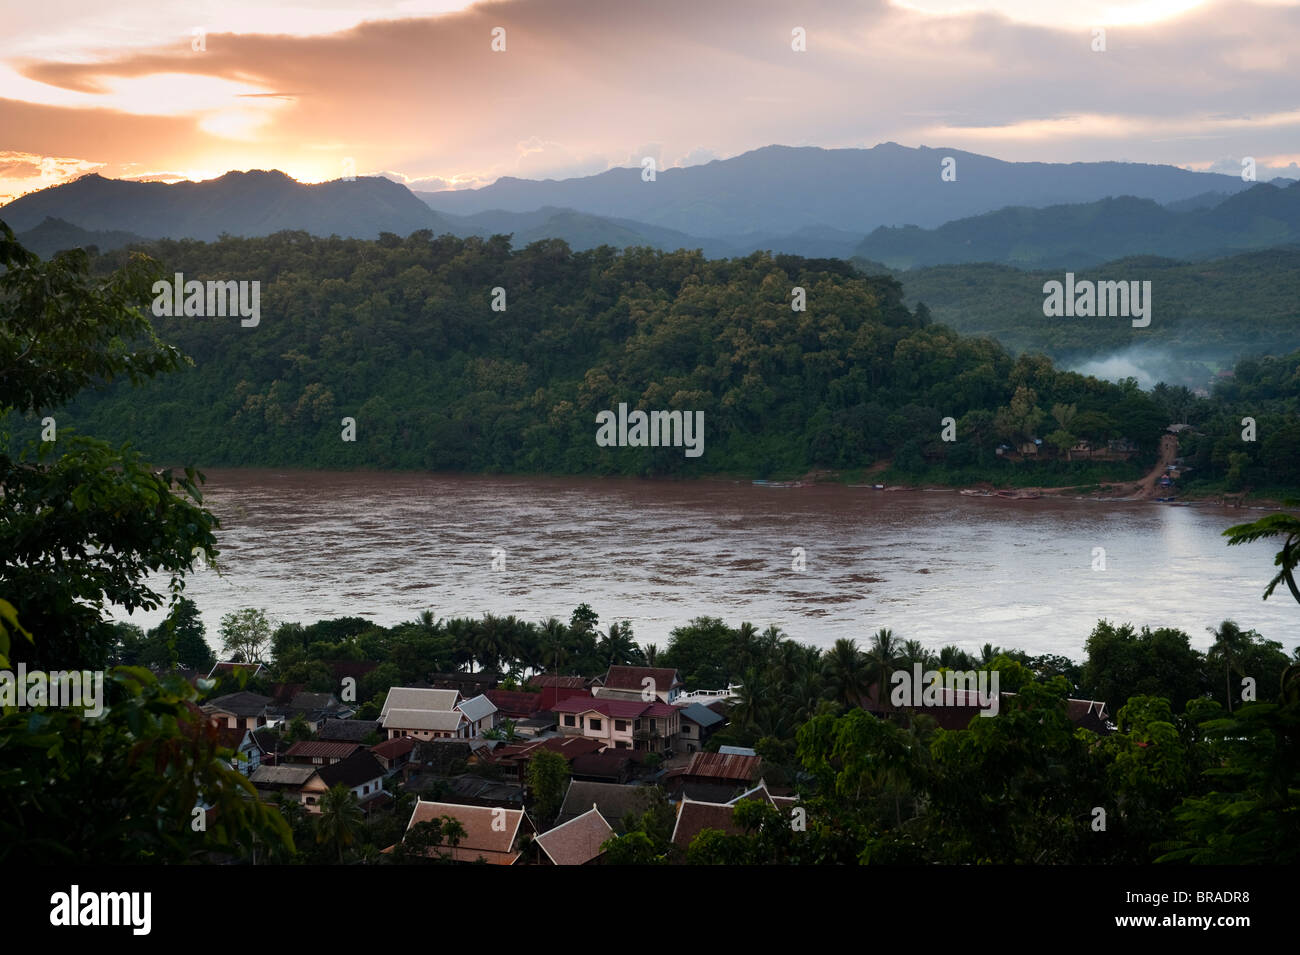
624 737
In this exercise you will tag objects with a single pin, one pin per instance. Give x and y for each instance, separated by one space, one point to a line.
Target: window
594 724
570 720
620 726
652 725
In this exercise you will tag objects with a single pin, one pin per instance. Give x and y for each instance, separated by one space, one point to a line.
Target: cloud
581 79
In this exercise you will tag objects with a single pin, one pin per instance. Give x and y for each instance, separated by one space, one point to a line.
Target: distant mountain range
806 201
1088 234
779 190
238 203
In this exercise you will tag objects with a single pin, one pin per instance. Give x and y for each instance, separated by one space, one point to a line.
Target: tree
1230 646
245 634
184 633
1286 526
340 819
847 673
882 660
548 777
83 524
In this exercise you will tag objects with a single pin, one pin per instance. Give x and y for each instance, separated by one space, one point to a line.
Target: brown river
931 565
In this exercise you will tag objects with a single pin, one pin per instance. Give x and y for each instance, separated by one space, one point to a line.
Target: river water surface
933 565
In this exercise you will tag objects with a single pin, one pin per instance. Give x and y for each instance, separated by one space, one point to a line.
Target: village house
620 723
319 753
698 723
394 754
360 772
615 802
494 834
636 683
350 731
695 816
247 754
422 714
242 709
480 713
576 842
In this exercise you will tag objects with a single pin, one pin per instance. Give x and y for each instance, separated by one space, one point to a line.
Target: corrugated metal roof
477 708
701 714
724 766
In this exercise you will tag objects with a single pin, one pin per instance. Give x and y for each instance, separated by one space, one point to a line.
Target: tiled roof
227 667
414 698
358 768
614 800
312 749
615 708
266 775
693 817
495 845
577 841
515 703
242 703
722 766
629 678
609 763
551 679
348 730
567 746
441 720
477 708
232 737
392 748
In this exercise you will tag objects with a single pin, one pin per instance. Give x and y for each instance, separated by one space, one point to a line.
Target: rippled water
929 564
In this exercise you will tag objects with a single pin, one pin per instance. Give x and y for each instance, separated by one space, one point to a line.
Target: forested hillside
400 335
1210 312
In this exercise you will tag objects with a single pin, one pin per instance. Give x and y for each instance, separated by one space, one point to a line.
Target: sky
413 89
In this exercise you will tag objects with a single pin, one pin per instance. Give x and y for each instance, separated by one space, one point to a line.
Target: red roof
630 678
566 746
514 703
552 679
310 749
392 748
615 708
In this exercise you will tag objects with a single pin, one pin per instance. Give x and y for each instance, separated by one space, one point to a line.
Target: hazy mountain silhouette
778 190
1076 236
55 235
239 203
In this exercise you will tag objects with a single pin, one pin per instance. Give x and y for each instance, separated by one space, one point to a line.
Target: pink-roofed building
620 724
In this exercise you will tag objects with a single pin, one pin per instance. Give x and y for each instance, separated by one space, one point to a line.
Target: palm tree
340 818
651 653
882 659
915 652
551 637
616 645
1230 646
1286 526
988 654
846 672
954 658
